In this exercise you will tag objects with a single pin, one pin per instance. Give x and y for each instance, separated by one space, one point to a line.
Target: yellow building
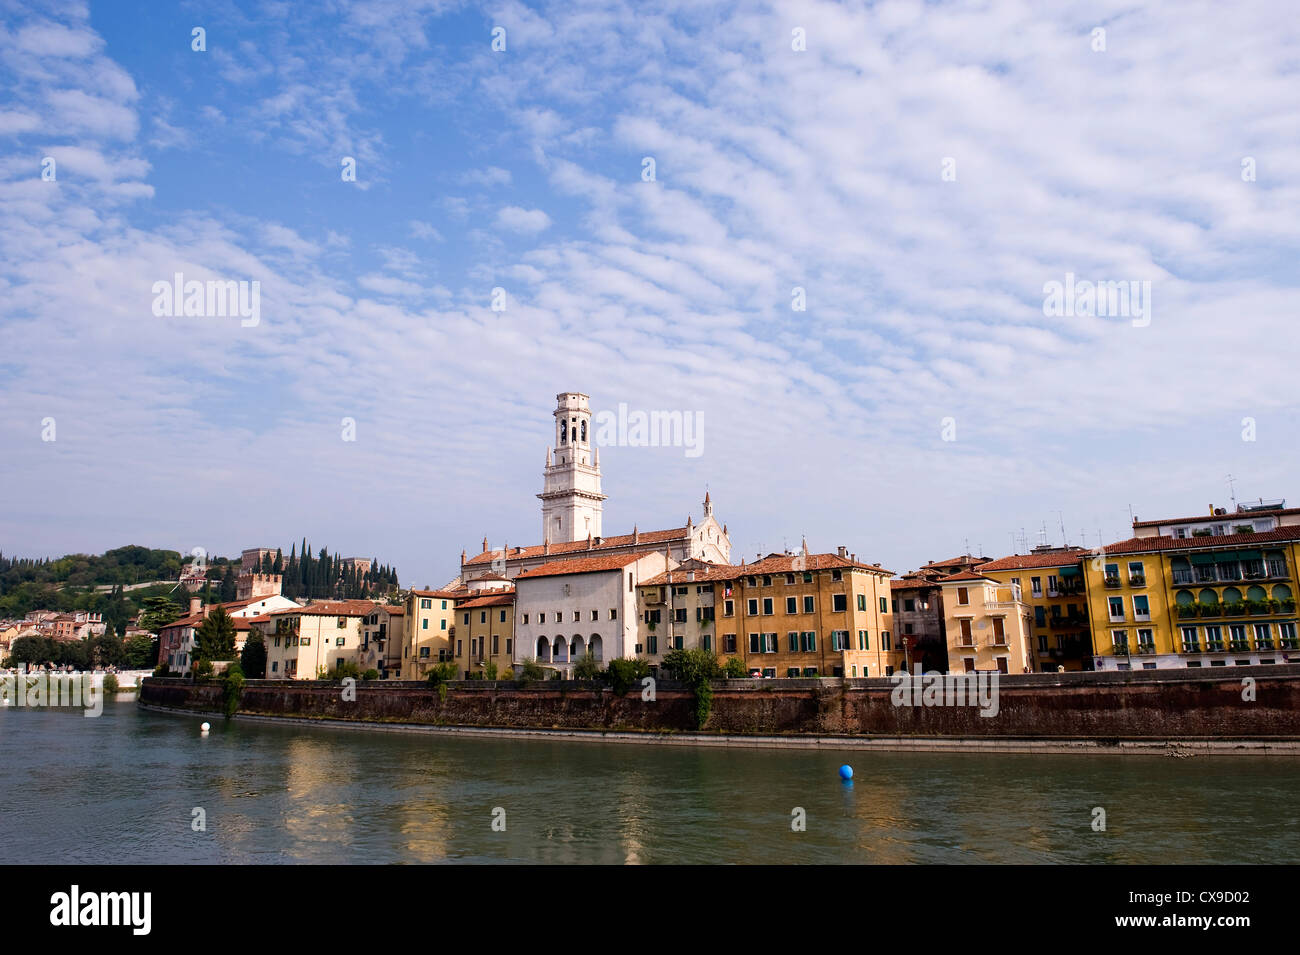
808 615
304 642
677 610
988 625
485 635
383 634
429 625
1201 600
1051 584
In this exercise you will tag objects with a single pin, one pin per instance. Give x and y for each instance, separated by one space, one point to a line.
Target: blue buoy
846 771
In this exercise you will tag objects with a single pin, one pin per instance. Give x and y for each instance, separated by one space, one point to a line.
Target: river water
124 787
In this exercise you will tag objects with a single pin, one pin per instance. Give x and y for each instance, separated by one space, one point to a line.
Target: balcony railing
1137 580
1120 649
1238 646
1146 648
1191 646
1290 643
1183 577
1112 580
1264 643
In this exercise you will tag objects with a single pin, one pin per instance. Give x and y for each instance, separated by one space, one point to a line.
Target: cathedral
573 508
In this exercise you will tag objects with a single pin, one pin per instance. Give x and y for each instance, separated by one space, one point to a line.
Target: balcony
1264 643
1146 648
1112 581
1290 643
999 639
1120 649
1184 577
1137 580
1072 622
1191 646
1238 646
1214 646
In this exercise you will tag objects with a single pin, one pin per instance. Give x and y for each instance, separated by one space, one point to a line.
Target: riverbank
1257 708
1179 748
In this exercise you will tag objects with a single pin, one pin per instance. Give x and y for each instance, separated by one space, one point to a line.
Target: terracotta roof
964 559
963 575
582 565
332 608
453 592
702 575
1062 558
489 577
1149 545
575 547
911 583
1239 516
494 600
785 564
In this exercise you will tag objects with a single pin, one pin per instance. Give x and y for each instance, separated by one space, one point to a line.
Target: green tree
229 585
587 668
157 612
141 652
253 658
624 672
696 668
215 637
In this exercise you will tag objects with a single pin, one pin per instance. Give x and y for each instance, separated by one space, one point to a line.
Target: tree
33 651
695 668
141 652
229 586
106 651
253 658
215 637
157 612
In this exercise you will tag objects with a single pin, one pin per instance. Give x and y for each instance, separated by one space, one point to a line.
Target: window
1189 639
343 622
424 653
1036 586
728 608
1116 608
751 606
679 615
1119 640
460 645
729 643
909 604
466 621
791 604
444 605
1141 607
967 638
884 605
789 579
791 671
793 637
753 643
864 642
808 604
681 591
767 581
862 601
482 616
1042 642
999 630
769 643
767 606
342 641
839 640
510 645
706 642
275 666
839 603
885 642
652 643
525 618
306 641
577 616
963 596
595 615
426 604
1040 617
837 575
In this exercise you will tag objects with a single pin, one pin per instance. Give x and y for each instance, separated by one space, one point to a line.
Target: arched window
564 434
1281 592
595 646
1232 596
543 650
584 432
1208 597
1184 598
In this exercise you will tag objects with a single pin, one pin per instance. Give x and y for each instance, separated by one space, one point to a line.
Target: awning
1204 558
1250 555
1069 572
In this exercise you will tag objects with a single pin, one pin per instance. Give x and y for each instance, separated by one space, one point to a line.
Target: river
125 787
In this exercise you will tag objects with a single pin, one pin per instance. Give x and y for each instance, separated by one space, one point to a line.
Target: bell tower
571 498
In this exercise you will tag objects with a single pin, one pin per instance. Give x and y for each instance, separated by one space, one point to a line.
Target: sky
825 232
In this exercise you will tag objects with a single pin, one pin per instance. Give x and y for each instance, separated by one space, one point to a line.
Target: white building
566 608
573 512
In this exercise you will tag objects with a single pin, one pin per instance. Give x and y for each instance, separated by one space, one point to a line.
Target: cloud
524 221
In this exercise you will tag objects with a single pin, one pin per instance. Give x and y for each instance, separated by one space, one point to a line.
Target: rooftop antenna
1061 518
1232 490
966 541
1130 514
1042 535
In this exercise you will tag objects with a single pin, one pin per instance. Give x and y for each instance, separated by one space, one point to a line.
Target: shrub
342 671
735 669
232 690
587 668
110 685
203 671
531 670
696 668
441 673
624 672
371 674
490 670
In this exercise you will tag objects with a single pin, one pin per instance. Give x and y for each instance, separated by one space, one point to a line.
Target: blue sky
776 168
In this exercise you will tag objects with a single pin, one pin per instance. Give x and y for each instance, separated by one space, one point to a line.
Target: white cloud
525 221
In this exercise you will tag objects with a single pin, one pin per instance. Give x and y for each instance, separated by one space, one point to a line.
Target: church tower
571 497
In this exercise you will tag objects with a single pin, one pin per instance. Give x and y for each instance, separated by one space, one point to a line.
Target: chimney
842 550
588 540
636 535
195 603
485 545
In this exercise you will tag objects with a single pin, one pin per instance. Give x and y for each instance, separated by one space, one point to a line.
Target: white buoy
203 730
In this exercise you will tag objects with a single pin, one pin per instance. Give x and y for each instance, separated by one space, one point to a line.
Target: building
678 609
429 625
989 627
485 635
305 642
567 608
809 615
1196 599
573 511
1051 583
176 639
917 601
383 635
251 559
1219 521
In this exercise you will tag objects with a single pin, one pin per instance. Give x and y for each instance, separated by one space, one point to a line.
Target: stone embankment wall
1233 702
